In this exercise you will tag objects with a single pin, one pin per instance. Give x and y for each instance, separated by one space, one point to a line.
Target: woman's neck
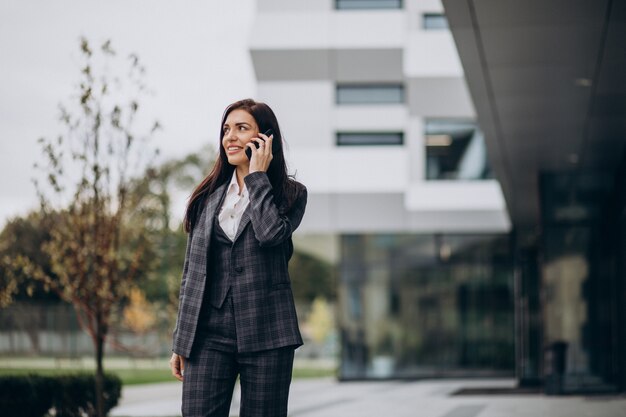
242 172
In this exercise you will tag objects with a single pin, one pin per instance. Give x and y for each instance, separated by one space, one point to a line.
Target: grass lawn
128 376
131 373
313 372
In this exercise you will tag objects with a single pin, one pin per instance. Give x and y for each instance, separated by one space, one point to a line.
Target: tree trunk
99 368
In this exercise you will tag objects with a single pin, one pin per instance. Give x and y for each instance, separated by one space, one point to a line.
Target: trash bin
555 366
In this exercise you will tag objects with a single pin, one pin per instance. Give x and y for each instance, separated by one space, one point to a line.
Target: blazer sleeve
271 227
184 278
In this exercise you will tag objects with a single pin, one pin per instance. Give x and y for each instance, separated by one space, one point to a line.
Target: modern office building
381 129
434 277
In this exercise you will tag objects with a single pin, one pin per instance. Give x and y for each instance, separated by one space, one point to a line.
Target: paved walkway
329 398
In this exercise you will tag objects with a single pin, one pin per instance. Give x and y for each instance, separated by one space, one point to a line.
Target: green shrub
70 395
76 394
27 395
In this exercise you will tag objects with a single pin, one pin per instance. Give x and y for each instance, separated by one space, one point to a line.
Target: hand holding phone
268 132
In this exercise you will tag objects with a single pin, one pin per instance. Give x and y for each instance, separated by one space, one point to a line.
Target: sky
195 54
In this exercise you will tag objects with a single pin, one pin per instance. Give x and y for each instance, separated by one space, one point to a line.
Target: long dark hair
283 186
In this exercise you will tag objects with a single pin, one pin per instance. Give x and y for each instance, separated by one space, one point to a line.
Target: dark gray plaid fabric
210 378
219 260
216 329
265 314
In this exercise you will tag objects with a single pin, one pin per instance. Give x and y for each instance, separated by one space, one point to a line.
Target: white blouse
234 205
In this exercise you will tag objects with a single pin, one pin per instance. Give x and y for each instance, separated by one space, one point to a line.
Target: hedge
72 395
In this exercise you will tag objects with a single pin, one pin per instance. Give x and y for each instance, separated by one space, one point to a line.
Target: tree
320 320
97 247
162 281
138 314
156 188
311 277
24 236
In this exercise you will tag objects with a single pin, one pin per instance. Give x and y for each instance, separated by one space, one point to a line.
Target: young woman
236 310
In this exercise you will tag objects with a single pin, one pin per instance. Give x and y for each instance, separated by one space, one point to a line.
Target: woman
236 311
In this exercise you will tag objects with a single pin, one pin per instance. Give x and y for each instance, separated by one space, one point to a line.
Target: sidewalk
432 398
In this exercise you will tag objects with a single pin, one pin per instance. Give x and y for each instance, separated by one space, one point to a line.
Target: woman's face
239 128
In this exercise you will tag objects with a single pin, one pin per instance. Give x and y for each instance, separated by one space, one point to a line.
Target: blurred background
464 162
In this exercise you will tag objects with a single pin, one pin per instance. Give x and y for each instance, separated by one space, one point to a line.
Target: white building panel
303 109
431 54
390 117
335 30
292 30
386 213
295 5
369 29
483 195
371 169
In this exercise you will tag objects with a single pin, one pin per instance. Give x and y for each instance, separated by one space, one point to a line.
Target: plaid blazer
265 314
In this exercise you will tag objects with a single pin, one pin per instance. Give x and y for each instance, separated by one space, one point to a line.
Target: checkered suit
210 377
265 314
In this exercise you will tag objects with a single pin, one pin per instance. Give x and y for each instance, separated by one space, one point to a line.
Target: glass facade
578 291
455 150
370 94
425 305
617 257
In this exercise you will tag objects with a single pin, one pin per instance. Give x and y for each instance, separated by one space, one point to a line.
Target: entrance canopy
548 80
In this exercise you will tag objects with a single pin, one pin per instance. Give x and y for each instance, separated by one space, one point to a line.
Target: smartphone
268 132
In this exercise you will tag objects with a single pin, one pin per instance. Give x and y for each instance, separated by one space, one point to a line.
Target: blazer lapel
215 201
245 219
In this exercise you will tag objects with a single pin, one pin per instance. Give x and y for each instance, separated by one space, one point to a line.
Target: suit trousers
210 377
212 368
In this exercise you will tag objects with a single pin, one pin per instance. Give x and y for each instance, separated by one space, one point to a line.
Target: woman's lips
233 149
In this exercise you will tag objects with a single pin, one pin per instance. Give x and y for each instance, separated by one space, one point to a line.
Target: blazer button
239 269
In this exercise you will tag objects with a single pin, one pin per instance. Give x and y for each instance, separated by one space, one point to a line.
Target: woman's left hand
262 156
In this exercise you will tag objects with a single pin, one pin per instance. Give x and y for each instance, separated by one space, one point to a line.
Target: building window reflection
434 21
367 4
419 315
369 94
370 138
455 150
354 302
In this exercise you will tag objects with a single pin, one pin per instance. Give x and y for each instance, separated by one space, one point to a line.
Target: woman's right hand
177 365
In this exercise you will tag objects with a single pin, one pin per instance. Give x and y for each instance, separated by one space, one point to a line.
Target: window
455 150
367 4
370 94
369 138
434 21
